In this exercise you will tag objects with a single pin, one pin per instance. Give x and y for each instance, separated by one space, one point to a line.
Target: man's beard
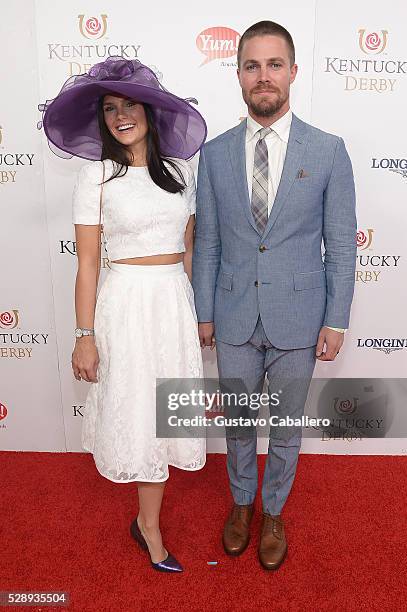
265 107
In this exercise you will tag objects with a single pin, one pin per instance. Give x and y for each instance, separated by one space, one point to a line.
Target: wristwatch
81 331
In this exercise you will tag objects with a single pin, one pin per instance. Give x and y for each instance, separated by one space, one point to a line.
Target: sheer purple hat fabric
70 120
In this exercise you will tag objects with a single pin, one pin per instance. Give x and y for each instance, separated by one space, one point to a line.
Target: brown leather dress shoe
236 533
273 544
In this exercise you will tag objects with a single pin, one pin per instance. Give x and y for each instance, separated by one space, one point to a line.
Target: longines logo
368 74
3 414
372 264
387 345
93 27
12 159
372 43
398 165
81 57
218 43
9 319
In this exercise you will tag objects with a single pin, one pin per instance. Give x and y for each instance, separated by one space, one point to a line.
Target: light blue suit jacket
238 273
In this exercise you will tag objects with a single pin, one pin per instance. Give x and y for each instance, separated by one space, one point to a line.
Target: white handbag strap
100 224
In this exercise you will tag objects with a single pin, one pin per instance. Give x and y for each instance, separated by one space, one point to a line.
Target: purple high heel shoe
169 564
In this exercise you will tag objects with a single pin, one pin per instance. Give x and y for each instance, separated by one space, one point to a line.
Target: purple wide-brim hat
71 124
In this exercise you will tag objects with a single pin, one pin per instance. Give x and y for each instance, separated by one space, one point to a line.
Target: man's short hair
267 28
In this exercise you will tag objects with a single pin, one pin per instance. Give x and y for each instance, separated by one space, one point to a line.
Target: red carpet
64 527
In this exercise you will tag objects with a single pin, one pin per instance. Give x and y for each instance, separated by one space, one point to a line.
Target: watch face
78 333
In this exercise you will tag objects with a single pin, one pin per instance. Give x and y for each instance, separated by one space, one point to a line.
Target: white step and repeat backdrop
352 81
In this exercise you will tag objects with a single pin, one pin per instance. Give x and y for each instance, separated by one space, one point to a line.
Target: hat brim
71 124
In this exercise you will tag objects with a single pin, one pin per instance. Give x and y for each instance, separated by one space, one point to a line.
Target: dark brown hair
118 153
267 28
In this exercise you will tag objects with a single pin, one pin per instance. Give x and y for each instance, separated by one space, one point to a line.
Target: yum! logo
372 43
3 411
216 43
92 27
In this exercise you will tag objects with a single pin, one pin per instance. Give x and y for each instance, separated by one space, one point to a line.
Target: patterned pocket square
302 174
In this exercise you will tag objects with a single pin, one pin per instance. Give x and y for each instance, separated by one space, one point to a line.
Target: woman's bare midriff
152 260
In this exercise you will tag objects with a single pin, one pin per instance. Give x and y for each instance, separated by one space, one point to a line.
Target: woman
142 325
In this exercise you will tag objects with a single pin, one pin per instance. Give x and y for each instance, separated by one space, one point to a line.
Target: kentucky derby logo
345 407
364 239
216 43
373 75
92 27
9 319
3 411
372 43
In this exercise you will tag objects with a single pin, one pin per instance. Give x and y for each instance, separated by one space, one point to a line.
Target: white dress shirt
276 143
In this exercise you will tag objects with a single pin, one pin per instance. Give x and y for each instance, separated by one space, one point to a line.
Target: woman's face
125 119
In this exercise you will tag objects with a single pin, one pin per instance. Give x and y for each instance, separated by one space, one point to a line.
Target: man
269 192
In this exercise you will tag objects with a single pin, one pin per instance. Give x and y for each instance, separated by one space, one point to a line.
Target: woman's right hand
85 359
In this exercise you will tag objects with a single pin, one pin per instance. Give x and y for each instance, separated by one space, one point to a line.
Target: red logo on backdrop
372 43
217 43
3 411
92 27
345 406
9 319
364 239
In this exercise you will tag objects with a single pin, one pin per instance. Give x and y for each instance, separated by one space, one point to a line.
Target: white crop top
139 218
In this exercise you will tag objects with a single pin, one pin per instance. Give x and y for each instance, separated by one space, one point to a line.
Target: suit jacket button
256 283
262 248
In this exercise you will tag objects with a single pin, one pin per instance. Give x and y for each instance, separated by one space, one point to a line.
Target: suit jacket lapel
292 164
237 151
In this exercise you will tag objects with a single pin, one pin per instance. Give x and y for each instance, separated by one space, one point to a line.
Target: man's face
265 75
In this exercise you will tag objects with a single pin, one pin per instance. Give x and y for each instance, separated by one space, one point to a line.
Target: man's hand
333 341
206 333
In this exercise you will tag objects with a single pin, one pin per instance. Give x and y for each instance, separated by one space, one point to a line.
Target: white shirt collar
281 127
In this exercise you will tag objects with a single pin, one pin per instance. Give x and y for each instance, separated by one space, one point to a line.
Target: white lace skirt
145 328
